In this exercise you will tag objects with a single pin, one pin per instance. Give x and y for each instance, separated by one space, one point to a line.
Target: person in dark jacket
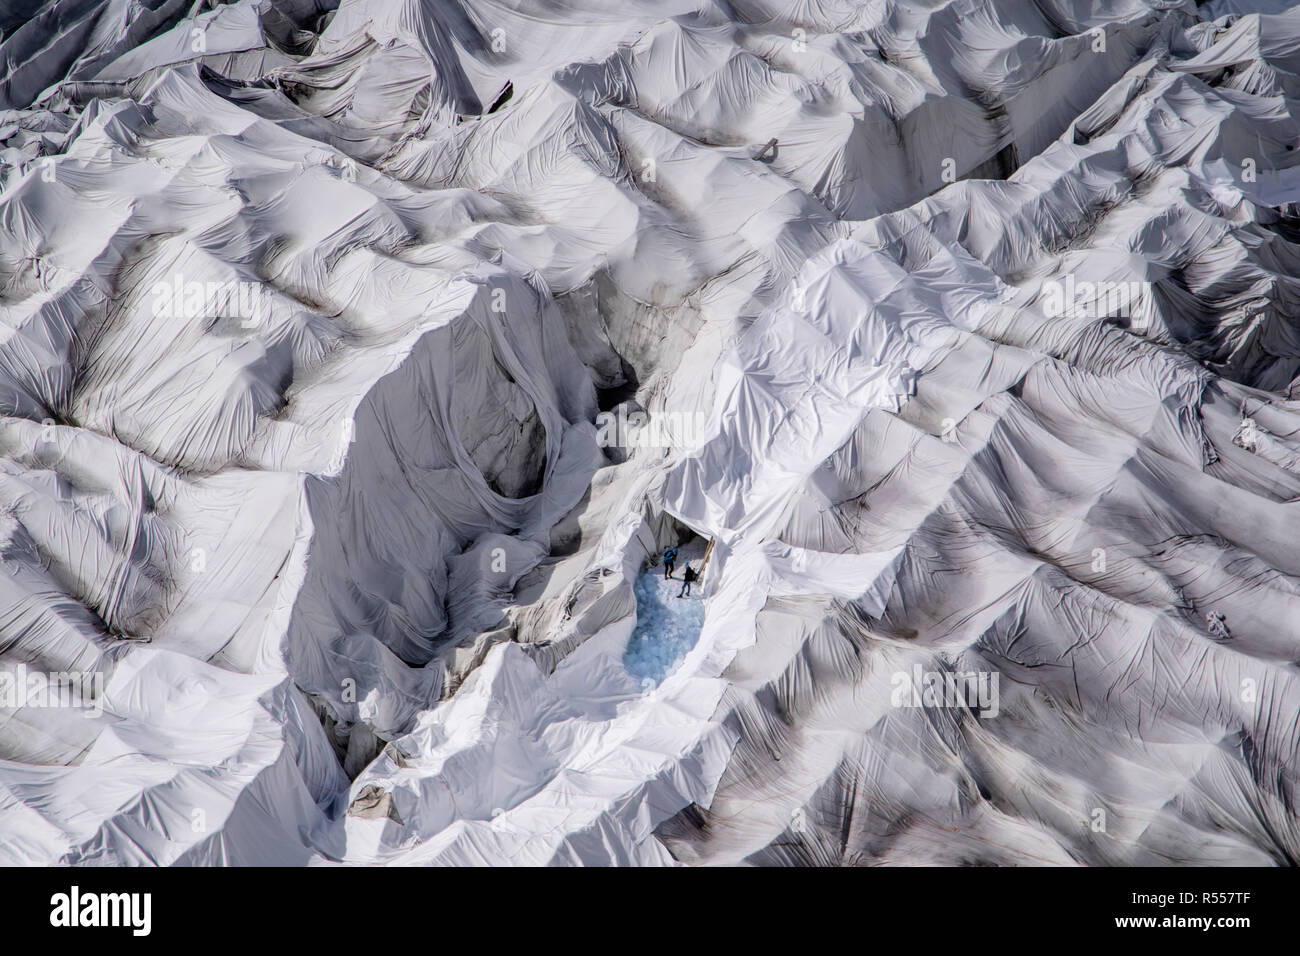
670 561
688 576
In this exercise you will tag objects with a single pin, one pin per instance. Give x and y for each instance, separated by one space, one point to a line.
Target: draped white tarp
309 333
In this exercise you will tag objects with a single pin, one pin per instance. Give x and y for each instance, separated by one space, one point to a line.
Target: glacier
950 337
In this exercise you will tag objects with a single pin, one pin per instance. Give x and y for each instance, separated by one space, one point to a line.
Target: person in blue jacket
670 561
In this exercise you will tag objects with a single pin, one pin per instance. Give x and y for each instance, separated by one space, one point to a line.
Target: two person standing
689 576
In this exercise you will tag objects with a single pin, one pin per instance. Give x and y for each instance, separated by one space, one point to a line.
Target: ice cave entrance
667 626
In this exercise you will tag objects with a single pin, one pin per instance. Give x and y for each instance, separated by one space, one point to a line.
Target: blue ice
666 627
